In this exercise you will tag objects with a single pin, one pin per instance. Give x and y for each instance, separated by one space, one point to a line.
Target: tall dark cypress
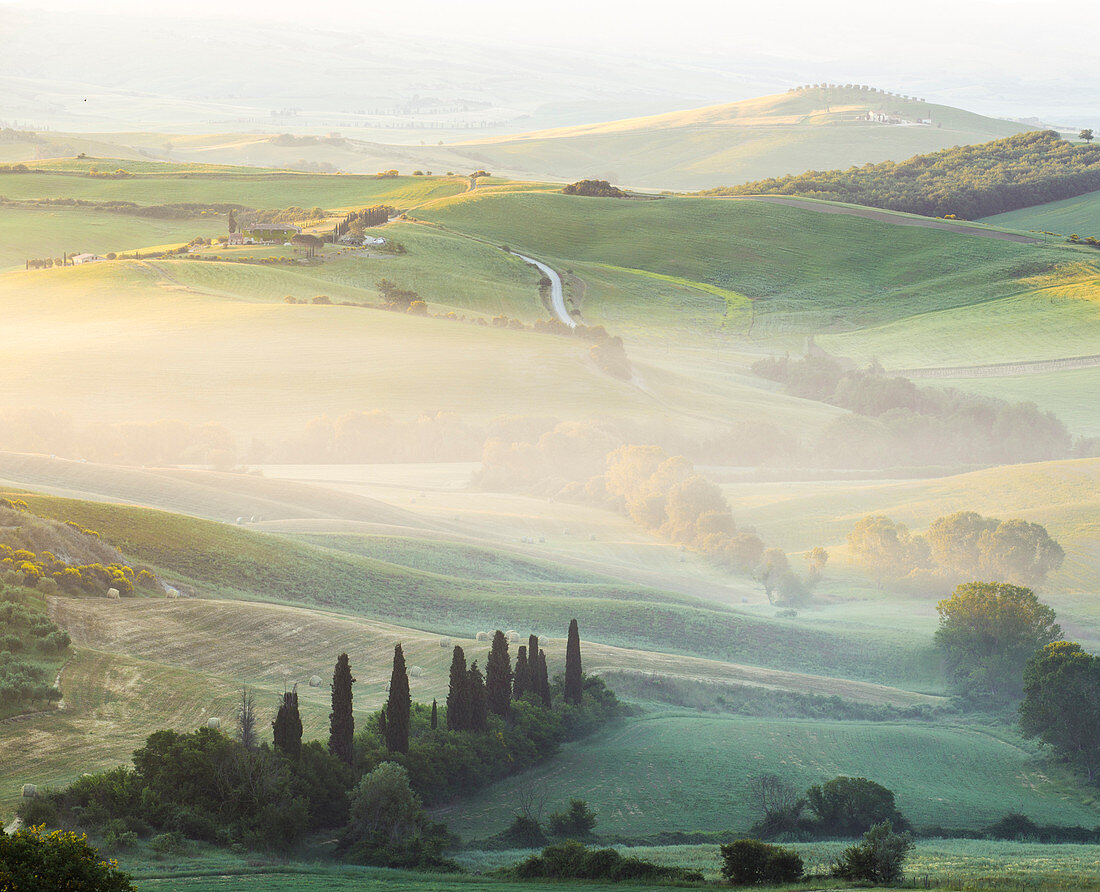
398 706
458 696
544 680
341 723
498 676
382 722
522 679
435 717
479 703
287 727
533 660
574 677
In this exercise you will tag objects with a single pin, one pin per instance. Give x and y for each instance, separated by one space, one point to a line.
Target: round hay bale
482 636
215 724
444 642
416 672
512 635
315 681
591 537
30 791
113 593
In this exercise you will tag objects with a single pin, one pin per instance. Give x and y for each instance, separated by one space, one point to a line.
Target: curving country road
557 296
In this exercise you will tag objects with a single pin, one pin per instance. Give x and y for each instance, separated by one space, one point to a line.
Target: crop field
1078 215
805 270
144 664
697 768
256 189
31 233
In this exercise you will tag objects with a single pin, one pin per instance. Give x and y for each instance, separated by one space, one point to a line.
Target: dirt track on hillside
889 217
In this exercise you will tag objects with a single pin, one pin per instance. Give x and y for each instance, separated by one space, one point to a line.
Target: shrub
878 858
170 843
32 859
750 862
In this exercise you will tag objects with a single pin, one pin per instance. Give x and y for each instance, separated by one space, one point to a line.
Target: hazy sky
1008 57
1007 33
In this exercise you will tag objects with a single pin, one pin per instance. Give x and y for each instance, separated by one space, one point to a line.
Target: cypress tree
287 727
435 716
458 697
382 722
398 706
574 677
498 676
341 723
522 678
544 680
232 222
479 704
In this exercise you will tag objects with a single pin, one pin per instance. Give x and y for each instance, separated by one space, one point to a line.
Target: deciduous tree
1061 704
987 632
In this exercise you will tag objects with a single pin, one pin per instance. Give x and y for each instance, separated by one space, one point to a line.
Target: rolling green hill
1080 215
698 768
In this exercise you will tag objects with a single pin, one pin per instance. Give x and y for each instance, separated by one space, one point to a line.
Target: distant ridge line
1003 369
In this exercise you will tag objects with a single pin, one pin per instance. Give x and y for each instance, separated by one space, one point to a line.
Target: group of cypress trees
471 696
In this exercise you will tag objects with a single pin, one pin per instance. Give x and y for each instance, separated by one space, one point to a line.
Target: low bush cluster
572 860
750 862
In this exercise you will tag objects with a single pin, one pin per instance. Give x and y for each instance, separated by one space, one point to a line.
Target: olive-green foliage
987 633
750 862
32 859
1061 704
30 645
878 858
968 181
387 825
848 805
577 822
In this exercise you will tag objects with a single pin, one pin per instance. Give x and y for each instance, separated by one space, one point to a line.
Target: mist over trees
959 546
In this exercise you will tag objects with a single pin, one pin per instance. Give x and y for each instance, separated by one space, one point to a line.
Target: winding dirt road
557 295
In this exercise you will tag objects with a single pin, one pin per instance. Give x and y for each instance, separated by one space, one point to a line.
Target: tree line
917 425
368 785
963 545
966 181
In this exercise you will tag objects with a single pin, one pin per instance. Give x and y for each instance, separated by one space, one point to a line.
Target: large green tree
850 805
398 705
987 632
574 674
1061 704
458 693
341 734
498 676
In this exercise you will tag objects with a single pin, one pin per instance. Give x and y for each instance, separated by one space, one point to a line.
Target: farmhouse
271 232
235 238
85 258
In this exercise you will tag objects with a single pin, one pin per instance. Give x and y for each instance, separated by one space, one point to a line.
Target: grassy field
698 767
947 863
1080 215
27 233
166 184
144 664
804 269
